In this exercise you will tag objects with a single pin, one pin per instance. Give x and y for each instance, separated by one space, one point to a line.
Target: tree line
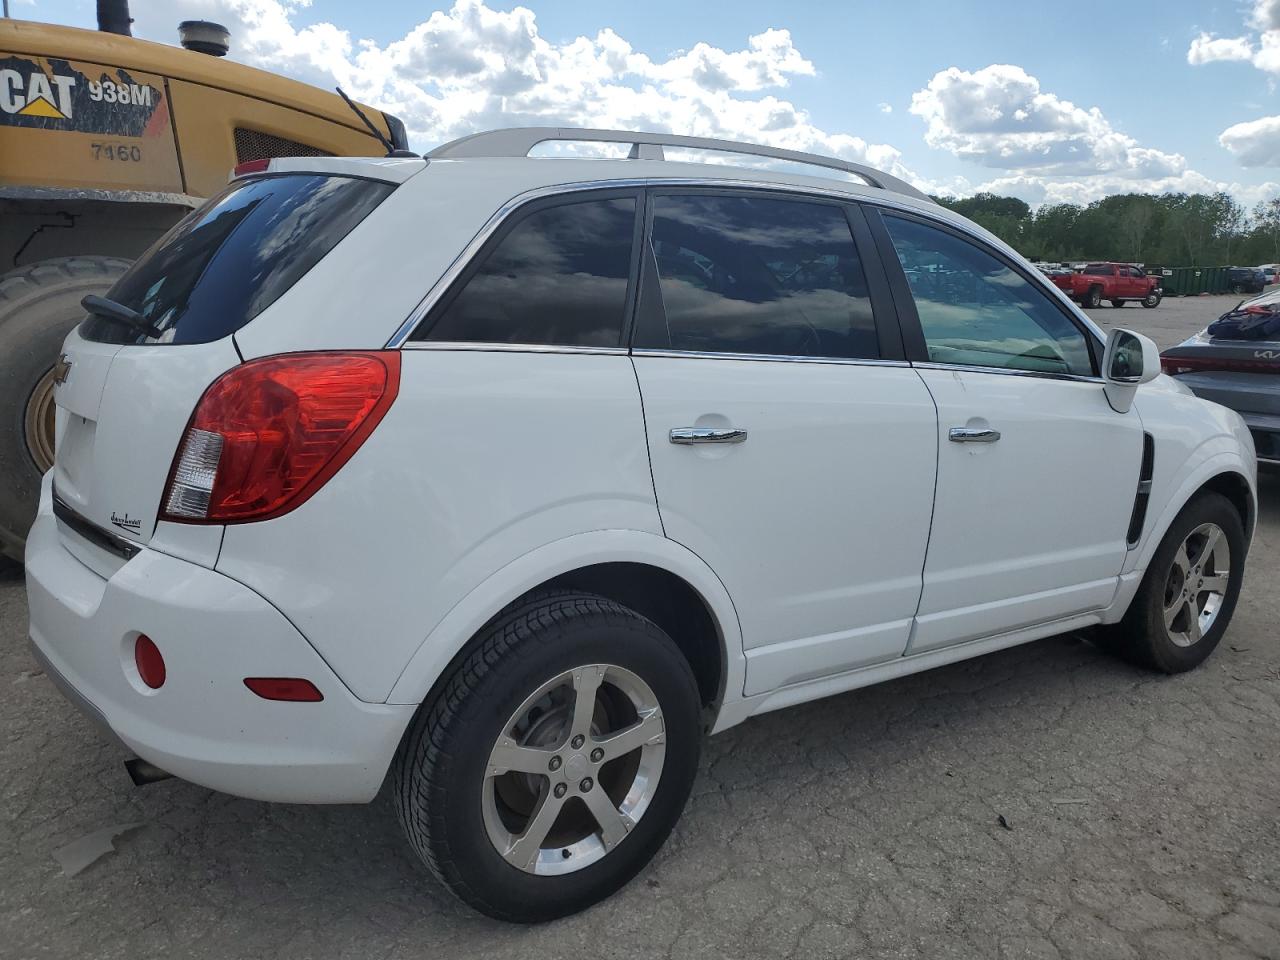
1168 230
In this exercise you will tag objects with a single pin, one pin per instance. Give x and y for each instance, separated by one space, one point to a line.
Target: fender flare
1186 486
500 588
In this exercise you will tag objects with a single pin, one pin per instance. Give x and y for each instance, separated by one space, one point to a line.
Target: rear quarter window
235 256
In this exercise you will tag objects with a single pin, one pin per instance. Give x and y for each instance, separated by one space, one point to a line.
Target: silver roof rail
518 141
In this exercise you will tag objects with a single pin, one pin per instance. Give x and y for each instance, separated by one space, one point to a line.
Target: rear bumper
203 724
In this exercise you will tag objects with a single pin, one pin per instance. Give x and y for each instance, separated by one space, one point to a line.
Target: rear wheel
1237 288
1092 297
553 762
39 305
1189 591
1117 303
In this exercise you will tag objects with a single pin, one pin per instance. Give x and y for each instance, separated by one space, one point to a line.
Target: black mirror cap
399 138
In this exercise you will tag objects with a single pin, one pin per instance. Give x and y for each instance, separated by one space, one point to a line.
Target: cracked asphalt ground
1143 818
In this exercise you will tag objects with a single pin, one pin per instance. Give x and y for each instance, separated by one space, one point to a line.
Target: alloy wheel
574 769
1196 586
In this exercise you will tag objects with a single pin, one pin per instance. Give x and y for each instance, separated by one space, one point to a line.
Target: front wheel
552 763
1189 592
1151 300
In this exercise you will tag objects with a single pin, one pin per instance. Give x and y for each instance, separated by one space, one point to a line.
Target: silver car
1235 361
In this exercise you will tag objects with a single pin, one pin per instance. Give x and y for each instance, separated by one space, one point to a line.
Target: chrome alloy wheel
1197 584
574 769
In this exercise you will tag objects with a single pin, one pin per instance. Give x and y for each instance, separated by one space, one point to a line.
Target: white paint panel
483 458
817 523
1031 527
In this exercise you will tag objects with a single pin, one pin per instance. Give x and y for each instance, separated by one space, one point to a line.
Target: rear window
235 256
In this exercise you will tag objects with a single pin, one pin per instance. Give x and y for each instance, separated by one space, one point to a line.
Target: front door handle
686 435
973 435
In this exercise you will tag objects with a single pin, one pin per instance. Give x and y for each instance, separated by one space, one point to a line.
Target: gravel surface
1142 812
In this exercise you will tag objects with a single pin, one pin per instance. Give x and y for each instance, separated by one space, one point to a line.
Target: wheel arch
1224 473
657 577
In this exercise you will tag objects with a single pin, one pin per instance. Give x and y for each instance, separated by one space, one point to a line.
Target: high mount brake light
269 433
251 166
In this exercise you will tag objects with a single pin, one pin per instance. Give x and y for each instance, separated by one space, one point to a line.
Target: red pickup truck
1117 282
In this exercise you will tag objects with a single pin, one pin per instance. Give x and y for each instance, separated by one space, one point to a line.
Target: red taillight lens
1176 365
150 664
268 434
293 689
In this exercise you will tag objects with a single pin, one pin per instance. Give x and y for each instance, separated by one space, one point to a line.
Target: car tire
39 304
514 691
1206 536
1092 298
1151 300
1117 303
1237 289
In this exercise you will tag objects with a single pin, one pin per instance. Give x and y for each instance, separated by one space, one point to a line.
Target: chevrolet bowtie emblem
61 370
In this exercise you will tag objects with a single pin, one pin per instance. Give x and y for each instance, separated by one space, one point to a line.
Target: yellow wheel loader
106 141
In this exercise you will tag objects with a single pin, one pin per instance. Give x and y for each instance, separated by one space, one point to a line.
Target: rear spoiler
387 169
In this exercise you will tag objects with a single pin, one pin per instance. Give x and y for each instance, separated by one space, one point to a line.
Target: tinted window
559 277
1097 270
763 276
231 259
976 310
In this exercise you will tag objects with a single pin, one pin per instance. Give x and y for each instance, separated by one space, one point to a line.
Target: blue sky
958 96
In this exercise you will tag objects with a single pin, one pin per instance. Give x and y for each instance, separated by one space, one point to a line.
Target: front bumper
203 724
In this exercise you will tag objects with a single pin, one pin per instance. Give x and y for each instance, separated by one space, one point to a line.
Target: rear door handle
973 435
687 435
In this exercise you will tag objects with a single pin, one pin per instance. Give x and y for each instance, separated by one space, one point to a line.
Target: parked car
1270 273
1246 280
515 507
1235 361
1117 283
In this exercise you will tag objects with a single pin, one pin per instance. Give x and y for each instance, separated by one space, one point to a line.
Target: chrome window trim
774 357
510 207
437 290
1006 371
481 346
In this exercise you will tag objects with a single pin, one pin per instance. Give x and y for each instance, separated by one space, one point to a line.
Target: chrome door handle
973 435
686 435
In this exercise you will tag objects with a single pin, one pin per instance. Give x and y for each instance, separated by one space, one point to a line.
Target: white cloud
472 67
999 117
885 107
1263 51
1206 49
1255 143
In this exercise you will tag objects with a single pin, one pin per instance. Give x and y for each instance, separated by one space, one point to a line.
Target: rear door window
756 275
558 277
235 256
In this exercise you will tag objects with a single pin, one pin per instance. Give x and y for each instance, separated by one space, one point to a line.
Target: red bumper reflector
293 689
146 655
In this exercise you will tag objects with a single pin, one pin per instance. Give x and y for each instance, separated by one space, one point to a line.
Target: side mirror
1129 361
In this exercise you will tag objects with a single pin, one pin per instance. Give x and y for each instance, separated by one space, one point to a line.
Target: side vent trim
1139 516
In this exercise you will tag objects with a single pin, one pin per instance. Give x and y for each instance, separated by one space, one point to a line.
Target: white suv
511 477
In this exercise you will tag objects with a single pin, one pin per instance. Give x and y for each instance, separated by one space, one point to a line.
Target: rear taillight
268 434
1176 365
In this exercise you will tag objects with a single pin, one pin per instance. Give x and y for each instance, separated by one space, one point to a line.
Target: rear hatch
136 374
